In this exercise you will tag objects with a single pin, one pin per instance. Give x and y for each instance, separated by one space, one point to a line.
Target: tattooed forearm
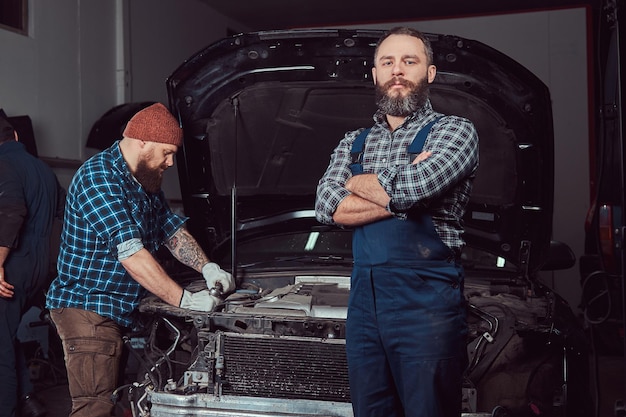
185 248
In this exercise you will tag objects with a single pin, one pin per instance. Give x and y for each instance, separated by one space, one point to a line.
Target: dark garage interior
598 272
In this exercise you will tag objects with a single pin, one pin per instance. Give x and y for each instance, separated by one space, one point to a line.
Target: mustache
399 81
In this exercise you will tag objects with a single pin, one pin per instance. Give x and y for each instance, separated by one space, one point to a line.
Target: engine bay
289 343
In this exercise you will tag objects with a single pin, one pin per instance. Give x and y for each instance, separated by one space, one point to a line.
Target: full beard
149 178
399 105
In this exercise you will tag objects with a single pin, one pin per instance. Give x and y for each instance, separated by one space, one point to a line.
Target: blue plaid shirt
440 184
105 207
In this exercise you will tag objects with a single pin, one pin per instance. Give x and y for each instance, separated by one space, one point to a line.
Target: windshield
334 245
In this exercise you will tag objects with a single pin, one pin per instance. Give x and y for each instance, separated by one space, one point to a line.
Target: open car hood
262 112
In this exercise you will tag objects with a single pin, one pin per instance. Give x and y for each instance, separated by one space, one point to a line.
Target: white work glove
199 301
213 274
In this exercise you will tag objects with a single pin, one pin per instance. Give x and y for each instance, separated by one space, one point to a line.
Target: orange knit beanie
154 124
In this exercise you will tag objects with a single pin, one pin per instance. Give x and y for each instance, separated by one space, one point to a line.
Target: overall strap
416 146
358 146
357 152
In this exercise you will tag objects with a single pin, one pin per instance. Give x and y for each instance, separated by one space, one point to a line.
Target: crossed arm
368 200
366 204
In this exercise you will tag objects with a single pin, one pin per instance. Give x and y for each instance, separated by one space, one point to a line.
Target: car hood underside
262 112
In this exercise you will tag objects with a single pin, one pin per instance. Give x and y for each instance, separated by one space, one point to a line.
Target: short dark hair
404 30
7 132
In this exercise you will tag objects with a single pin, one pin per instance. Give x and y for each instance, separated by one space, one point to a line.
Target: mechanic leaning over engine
116 218
406 326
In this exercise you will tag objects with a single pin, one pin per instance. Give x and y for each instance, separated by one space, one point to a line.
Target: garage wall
82 57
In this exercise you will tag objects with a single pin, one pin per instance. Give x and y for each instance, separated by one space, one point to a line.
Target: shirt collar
118 160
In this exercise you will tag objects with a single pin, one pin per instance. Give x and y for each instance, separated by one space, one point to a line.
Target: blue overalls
406 324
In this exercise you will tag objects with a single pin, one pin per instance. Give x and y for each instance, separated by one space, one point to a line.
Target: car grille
285 367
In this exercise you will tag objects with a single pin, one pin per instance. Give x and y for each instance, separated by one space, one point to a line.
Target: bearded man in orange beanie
116 218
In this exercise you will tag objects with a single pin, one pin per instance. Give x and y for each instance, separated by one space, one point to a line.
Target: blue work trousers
406 326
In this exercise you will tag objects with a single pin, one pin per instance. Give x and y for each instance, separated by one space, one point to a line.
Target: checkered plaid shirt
105 207
441 184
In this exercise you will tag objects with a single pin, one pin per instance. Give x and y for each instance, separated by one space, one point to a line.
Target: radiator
284 367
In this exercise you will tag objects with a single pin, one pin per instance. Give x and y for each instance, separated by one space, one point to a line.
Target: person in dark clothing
405 331
30 200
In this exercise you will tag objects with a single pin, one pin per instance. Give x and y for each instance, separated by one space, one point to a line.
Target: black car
262 113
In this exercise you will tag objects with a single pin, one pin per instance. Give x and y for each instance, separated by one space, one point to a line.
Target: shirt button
384 160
